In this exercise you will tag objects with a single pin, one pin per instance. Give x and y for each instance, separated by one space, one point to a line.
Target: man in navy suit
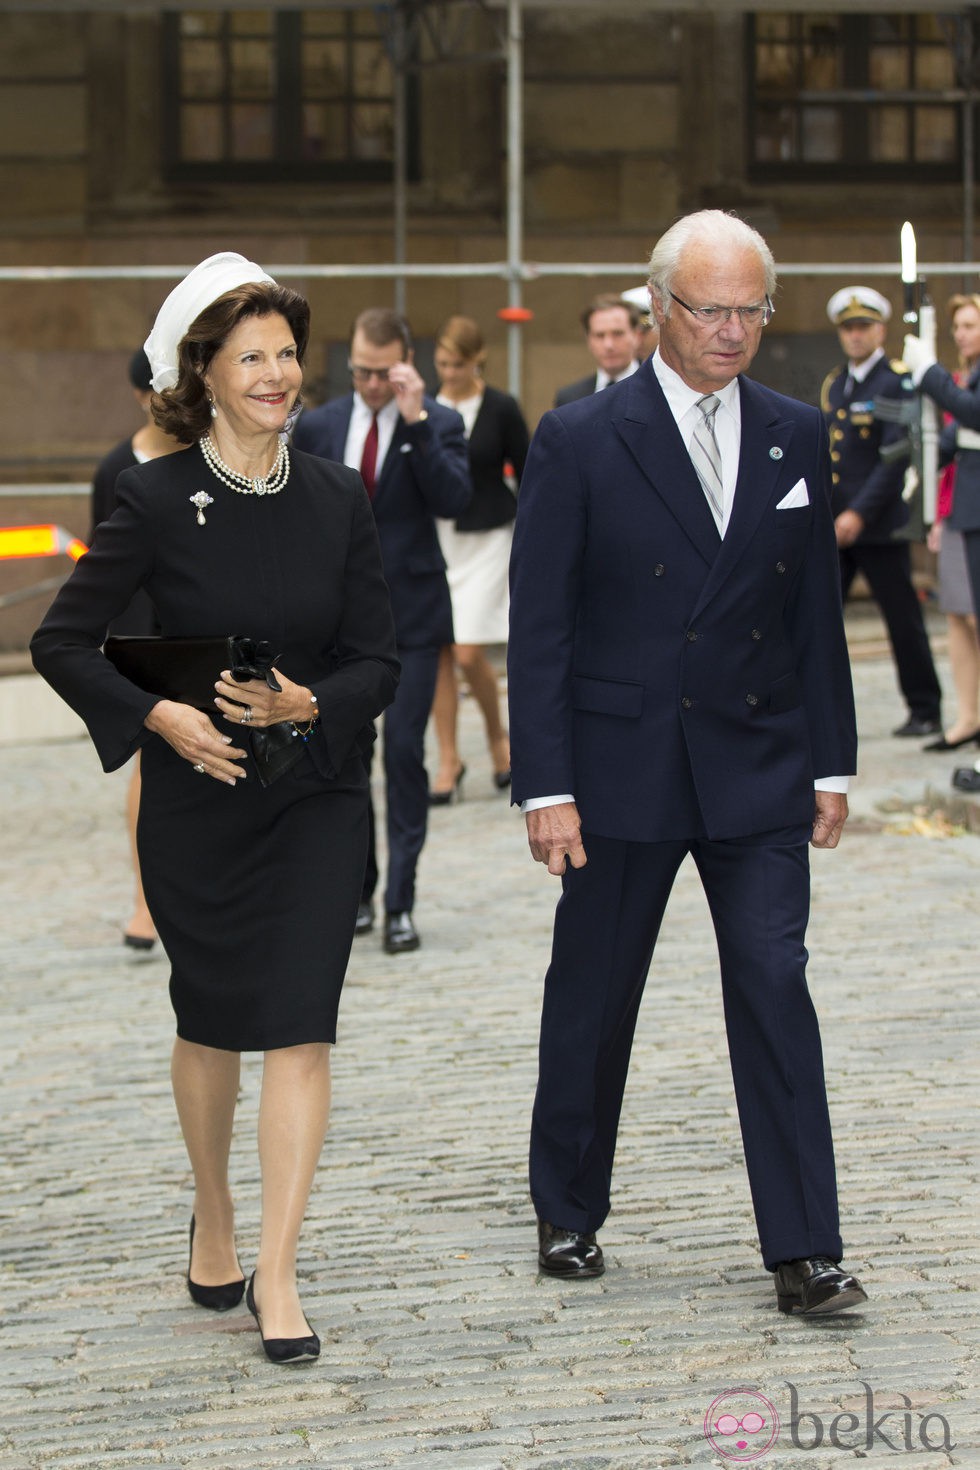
412 455
612 327
679 683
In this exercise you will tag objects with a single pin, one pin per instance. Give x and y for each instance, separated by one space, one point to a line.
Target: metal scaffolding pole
400 201
515 189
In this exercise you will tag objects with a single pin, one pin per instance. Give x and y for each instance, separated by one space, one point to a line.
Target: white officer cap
858 303
639 296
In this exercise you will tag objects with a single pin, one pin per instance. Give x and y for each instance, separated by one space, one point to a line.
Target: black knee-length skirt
254 892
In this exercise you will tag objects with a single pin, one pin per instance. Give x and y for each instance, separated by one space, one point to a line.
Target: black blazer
301 569
499 435
139 619
964 405
425 474
581 388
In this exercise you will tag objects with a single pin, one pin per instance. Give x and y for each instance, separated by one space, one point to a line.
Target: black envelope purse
185 670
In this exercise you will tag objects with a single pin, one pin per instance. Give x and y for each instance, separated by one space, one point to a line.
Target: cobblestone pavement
442 1349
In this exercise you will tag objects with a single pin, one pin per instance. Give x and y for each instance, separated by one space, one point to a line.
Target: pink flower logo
741 1424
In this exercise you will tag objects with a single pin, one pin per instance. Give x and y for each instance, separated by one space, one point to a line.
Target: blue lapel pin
775 452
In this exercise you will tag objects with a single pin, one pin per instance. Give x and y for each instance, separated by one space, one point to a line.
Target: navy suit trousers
606 926
406 782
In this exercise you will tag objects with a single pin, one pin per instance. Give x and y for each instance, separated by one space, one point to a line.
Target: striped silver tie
706 456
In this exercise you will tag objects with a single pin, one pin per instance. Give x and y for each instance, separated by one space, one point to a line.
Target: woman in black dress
253 888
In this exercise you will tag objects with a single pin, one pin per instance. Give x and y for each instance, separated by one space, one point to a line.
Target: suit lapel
765 440
651 434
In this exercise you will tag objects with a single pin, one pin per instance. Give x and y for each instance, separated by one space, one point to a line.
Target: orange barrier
27 541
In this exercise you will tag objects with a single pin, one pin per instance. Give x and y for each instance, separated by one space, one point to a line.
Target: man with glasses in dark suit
412 456
679 684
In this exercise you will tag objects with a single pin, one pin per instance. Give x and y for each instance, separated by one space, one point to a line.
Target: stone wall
630 120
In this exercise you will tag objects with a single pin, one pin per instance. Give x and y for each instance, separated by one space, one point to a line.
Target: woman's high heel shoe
283 1349
455 792
215 1298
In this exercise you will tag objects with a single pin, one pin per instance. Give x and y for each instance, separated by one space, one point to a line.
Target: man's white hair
711 227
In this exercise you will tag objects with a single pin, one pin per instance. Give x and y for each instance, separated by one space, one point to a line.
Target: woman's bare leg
481 676
964 666
445 707
205 1083
293 1117
141 925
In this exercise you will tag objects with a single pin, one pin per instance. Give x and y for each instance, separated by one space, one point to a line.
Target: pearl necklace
270 484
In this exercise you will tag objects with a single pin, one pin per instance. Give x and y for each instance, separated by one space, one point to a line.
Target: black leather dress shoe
568 1253
915 727
815 1285
401 934
364 922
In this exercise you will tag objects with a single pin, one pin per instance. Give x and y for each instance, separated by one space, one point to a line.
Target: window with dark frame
807 119
276 94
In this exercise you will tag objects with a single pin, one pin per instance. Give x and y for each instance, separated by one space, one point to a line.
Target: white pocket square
794 498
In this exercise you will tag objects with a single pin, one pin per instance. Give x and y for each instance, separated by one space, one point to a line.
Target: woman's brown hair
460 334
185 410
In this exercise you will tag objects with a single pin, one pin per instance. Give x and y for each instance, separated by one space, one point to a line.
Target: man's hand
829 819
848 527
409 390
554 835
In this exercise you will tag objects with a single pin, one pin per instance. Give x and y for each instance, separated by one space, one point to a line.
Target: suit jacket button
780 567
756 634
658 570
687 703
752 699
691 636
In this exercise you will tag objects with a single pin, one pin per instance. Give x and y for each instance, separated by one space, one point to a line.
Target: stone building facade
119 145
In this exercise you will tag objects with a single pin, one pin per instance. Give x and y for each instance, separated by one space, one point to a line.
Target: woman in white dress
477 551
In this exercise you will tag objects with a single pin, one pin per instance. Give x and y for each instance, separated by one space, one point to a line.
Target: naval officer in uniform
867 498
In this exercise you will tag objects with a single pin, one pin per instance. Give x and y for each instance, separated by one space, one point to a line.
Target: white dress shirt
357 432
682 402
602 378
858 371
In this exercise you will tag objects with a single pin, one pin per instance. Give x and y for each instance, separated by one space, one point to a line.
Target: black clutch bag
186 669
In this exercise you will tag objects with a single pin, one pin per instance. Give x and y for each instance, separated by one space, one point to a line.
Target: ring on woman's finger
200 768
247 715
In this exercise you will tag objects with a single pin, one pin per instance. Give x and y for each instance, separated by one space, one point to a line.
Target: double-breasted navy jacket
676 684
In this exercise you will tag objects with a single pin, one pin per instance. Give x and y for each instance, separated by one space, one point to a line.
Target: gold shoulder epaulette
898 366
825 388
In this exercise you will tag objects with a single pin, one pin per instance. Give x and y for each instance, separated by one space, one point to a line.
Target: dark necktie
369 458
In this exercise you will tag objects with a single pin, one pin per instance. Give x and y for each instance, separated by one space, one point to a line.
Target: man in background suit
612 334
679 683
412 456
867 494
